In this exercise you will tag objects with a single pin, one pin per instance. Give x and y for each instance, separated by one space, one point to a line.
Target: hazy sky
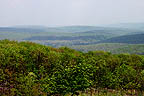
70 12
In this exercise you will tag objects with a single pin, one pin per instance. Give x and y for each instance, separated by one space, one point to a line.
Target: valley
124 38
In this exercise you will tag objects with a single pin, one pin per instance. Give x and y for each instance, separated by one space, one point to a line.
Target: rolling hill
128 39
114 48
22 32
86 37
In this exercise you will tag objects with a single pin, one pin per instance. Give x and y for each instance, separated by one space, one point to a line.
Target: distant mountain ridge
126 33
13 29
138 26
72 29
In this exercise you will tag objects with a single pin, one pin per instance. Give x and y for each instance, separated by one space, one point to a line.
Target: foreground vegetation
29 69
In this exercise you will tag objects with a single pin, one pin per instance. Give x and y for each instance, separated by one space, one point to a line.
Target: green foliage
32 69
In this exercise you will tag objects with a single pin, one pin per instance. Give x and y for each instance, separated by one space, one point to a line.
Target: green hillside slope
128 39
115 48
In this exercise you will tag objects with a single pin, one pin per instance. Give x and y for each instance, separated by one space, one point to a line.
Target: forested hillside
115 48
30 69
128 39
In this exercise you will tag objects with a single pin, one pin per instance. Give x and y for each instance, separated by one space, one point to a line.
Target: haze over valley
81 37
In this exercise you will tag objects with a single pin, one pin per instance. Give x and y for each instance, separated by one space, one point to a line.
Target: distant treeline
98 37
29 69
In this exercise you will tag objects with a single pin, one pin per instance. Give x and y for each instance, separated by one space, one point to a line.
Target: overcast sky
70 12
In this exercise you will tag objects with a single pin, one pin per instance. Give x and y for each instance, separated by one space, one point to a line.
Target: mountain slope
115 48
129 39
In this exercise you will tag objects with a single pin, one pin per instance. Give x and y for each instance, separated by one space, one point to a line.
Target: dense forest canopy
32 69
